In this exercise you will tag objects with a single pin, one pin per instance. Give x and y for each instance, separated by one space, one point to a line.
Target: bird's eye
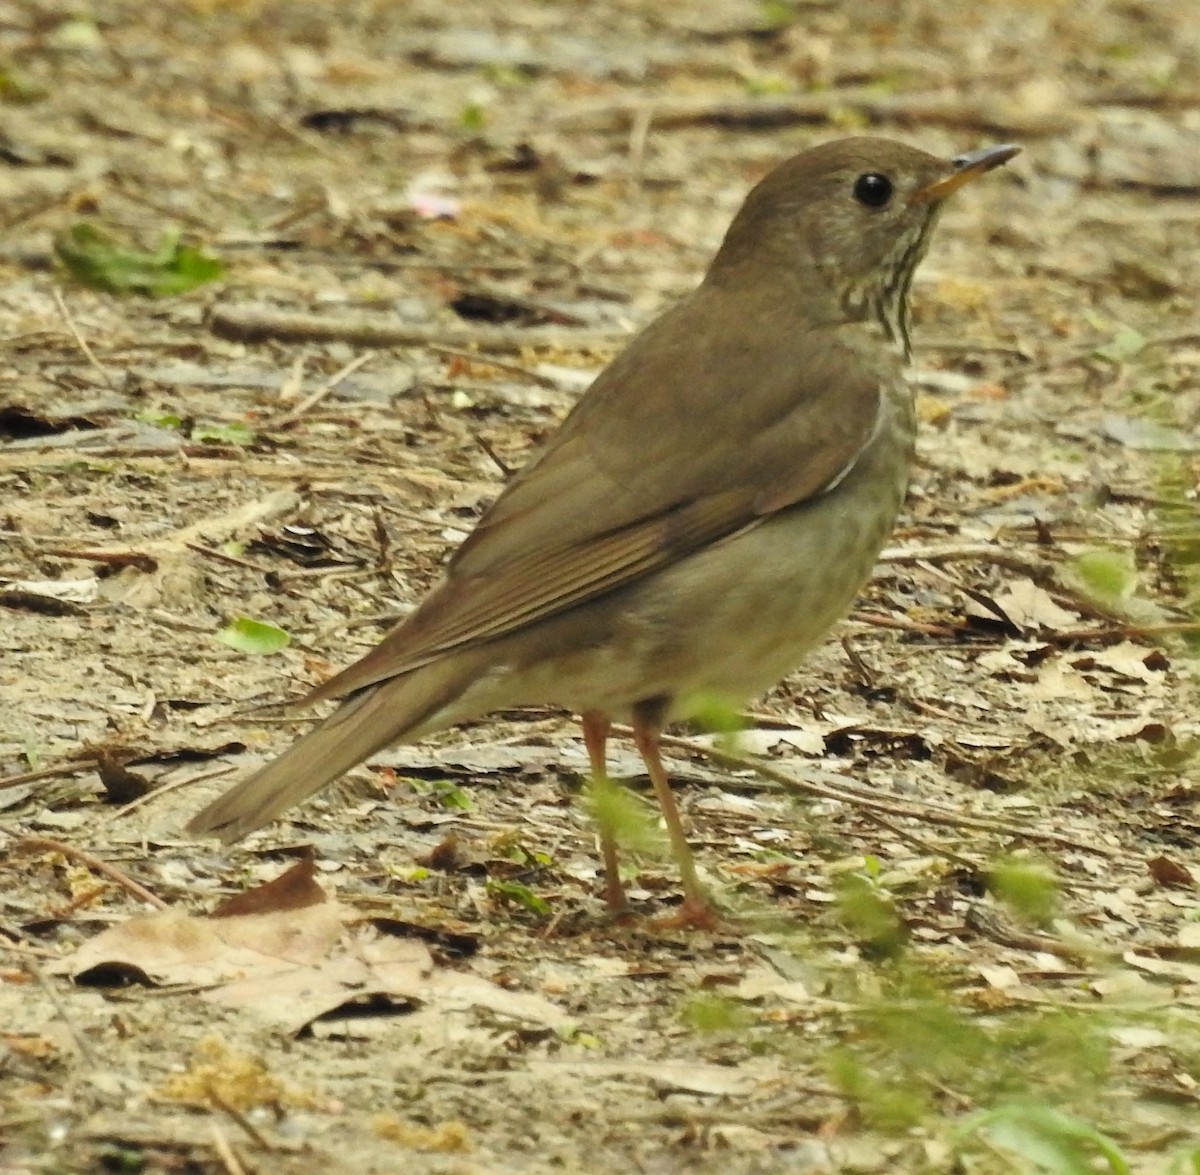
873 190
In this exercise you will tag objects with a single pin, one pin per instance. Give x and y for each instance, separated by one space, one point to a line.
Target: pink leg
695 911
595 737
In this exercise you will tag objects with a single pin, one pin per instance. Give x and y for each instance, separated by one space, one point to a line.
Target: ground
958 858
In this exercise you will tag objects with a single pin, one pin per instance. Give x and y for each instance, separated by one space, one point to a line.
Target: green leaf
868 913
253 636
715 714
1027 888
519 895
1126 343
473 117
1187 1163
619 814
764 85
223 434
777 14
408 874
127 1160
709 1013
572 1034
1108 575
512 848
509 76
450 795
98 260
19 89
885 1104
160 419
75 35
447 793
1047 1140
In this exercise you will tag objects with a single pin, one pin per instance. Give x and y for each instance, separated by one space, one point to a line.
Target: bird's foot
694 914
615 898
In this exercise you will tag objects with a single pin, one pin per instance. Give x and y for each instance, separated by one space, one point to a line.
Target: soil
959 856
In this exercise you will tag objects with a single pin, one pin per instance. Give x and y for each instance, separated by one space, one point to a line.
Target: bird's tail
397 709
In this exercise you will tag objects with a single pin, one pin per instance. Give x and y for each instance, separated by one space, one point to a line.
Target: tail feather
395 710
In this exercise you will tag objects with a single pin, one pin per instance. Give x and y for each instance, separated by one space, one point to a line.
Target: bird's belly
790 581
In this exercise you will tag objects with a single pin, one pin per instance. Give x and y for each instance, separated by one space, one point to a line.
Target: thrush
701 518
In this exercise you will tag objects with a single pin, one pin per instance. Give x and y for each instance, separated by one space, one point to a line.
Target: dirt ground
960 867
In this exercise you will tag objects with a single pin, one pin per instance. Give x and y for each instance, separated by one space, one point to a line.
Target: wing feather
680 442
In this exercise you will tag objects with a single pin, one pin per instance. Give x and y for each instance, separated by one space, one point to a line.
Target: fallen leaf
1030 608
1168 872
293 889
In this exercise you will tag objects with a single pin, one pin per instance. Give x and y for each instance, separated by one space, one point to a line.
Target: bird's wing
680 442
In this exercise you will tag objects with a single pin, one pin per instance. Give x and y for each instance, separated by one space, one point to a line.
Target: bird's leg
596 726
647 725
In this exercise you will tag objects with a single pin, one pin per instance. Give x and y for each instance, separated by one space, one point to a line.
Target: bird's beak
966 168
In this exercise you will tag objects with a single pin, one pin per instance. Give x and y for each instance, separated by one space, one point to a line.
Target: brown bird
702 517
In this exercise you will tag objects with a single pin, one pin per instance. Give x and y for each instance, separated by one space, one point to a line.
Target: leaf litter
290 445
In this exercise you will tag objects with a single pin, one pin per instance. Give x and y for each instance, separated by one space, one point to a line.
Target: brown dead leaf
1168 872
294 889
295 965
387 974
120 784
174 947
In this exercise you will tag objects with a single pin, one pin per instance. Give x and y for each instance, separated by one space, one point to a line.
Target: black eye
873 190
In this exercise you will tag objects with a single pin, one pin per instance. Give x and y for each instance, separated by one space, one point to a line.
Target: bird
701 518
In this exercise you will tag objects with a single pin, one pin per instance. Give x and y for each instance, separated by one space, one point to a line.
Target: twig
971 347
222 1104
911 838
505 471
968 552
81 1043
1088 352
1042 573
173 622
257 324
542 381
80 341
126 882
11 943
956 110
878 620
159 792
74 767
639 135
290 418
988 923
114 558
311 472
929 813
225 557
213 528
225 1151
1073 635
